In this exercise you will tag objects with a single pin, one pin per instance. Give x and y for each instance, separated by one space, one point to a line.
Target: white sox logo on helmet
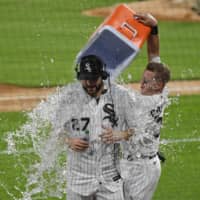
88 67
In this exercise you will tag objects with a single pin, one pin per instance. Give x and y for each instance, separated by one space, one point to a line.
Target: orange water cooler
117 40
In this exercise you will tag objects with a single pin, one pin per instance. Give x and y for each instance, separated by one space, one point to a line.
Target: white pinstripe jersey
149 115
79 114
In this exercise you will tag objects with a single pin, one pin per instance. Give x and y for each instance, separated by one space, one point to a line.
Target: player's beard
93 90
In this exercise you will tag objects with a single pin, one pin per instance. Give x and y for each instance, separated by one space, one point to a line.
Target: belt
116 178
131 158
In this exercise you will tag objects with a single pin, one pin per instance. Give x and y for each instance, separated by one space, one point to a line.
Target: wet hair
162 73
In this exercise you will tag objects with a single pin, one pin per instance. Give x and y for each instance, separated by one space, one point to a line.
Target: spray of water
40 151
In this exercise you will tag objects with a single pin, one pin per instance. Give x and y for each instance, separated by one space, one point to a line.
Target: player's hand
146 19
77 144
107 135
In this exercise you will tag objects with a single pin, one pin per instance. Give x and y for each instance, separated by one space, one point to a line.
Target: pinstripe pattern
91 172
147 134
141 175
144 175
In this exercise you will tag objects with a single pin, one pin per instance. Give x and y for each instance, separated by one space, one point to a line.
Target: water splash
40 154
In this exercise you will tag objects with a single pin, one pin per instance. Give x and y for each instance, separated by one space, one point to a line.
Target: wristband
154 30
155 59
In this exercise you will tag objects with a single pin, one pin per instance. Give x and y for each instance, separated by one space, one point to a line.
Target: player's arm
153 38
111 136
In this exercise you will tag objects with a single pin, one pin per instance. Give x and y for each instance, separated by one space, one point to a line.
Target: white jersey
145 142
83 116
140 167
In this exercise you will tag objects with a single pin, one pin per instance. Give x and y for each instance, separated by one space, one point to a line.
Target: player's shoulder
118 88
149 101
67 92
123 94
74 87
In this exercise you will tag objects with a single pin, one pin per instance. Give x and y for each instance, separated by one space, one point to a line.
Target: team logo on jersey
111 115
156 114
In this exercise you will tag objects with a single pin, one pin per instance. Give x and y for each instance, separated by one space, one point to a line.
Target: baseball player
140 151
85 109
140 166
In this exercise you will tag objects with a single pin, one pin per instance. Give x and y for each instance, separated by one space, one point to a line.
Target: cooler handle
130 28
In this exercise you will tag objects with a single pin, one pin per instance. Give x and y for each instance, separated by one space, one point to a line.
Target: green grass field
180 172
39 40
